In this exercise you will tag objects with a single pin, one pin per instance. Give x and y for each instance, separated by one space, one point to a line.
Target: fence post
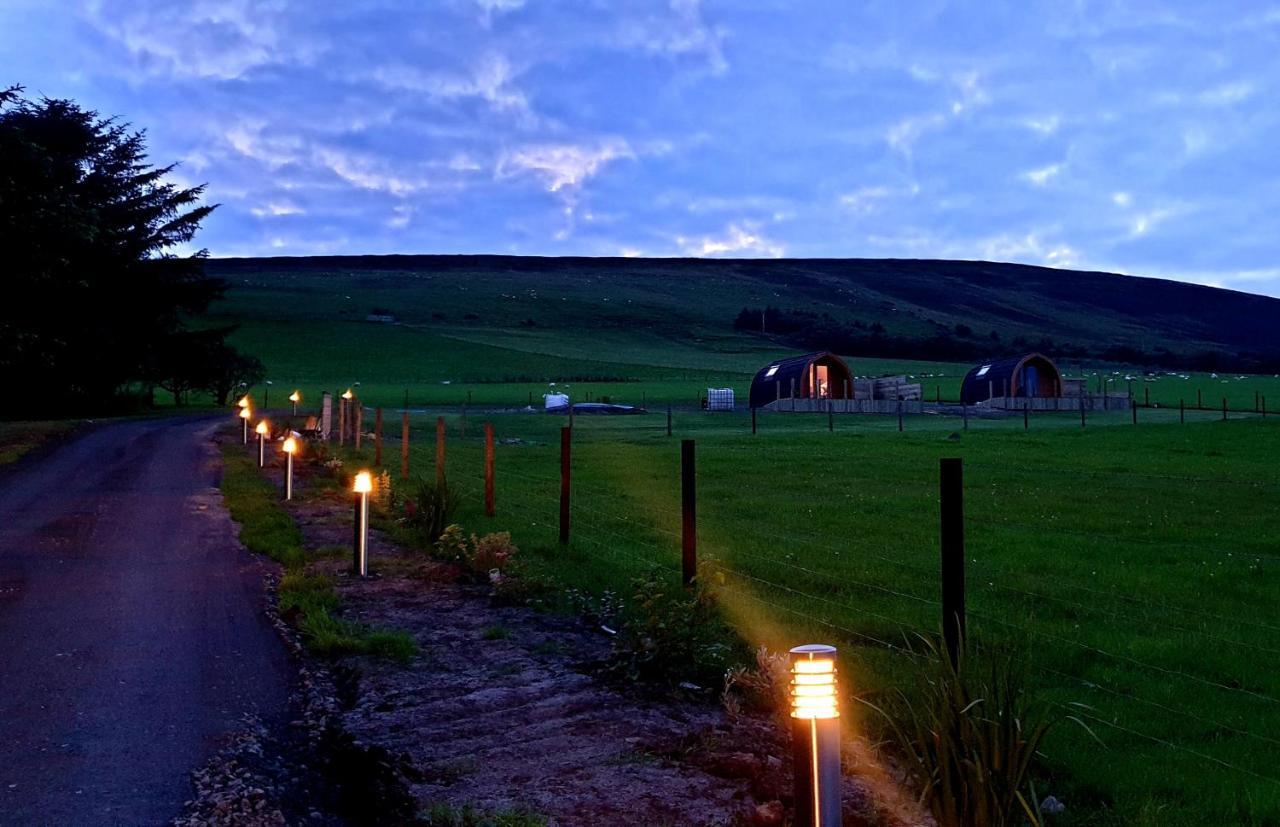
1082 414
952 512
377 436
1133 405
440 452
404 445
668 419
566 438
358 422
688 513
899 414
1182 411
342 421
488 469
937 394
831 418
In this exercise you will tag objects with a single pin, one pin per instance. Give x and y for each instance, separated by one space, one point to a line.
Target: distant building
820 375
1031 376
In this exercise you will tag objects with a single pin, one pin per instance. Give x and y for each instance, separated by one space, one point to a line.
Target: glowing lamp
295 397
261 430
245 413
290 448
813 684
815 734
347 394
244 401
363 485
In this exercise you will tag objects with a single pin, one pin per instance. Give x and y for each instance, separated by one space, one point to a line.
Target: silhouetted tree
96 293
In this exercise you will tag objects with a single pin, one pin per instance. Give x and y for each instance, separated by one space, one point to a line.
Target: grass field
1134 569
20 438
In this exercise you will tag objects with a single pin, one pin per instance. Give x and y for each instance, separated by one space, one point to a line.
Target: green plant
671 637
434 507
970 742
445 815
491 553
759 688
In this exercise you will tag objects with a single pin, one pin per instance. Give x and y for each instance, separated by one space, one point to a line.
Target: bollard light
261 431
245 413
363 485
348 395
244 401
290 448
815 715
295 398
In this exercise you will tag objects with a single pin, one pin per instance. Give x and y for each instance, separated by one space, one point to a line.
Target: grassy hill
690 305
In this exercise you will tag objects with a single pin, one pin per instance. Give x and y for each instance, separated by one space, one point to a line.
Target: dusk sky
1134 137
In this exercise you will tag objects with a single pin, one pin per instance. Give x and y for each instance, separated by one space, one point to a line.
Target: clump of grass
433 508
970 741
265 527
444 815
495 633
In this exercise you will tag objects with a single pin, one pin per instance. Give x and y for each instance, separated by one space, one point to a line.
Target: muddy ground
501 710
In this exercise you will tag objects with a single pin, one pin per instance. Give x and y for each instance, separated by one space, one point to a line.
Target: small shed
1032 376
821 375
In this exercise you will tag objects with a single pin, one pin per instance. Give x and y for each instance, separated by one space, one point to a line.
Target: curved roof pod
821 375
1031 375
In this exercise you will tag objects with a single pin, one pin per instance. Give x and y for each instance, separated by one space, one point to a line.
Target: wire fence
1124 649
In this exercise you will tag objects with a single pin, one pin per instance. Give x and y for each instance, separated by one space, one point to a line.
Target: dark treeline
807 330
99 307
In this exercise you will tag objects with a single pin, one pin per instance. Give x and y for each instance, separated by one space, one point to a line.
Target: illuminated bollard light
815 731
290 448
261 431
243 402
245 413
363 485
295 398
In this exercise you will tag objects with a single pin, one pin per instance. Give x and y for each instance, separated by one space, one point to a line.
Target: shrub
759 688
673 637
491 553
434 506
970 742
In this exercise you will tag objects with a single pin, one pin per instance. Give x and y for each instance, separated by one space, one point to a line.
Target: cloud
965 93
562 167
491 8
214 39
738 240
866 200
275 209
1043 175
491 79
1045 125
682 33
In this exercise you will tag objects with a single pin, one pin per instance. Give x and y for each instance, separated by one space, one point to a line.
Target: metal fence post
688 512
951 490
566 439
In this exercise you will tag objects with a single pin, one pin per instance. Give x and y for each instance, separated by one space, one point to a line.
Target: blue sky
1131 136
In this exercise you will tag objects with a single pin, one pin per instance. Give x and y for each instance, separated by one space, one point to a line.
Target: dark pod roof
993 378
779 375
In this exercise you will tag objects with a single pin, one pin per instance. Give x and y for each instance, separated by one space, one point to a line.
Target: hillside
920 309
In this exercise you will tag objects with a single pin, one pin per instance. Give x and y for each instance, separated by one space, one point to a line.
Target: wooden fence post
688 513
440 452
358 424
342 421
488 469
566 438
952 543
377 436
1199 399
404 445
1133 405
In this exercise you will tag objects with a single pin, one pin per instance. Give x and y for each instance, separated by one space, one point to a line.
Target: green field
1132 567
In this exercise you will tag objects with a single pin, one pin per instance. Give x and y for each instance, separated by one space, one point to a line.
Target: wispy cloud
737 240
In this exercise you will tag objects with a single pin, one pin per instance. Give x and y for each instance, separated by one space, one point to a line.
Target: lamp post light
363 485
243 401
245 413
261 431
815 732
295 398
290 448
266 395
